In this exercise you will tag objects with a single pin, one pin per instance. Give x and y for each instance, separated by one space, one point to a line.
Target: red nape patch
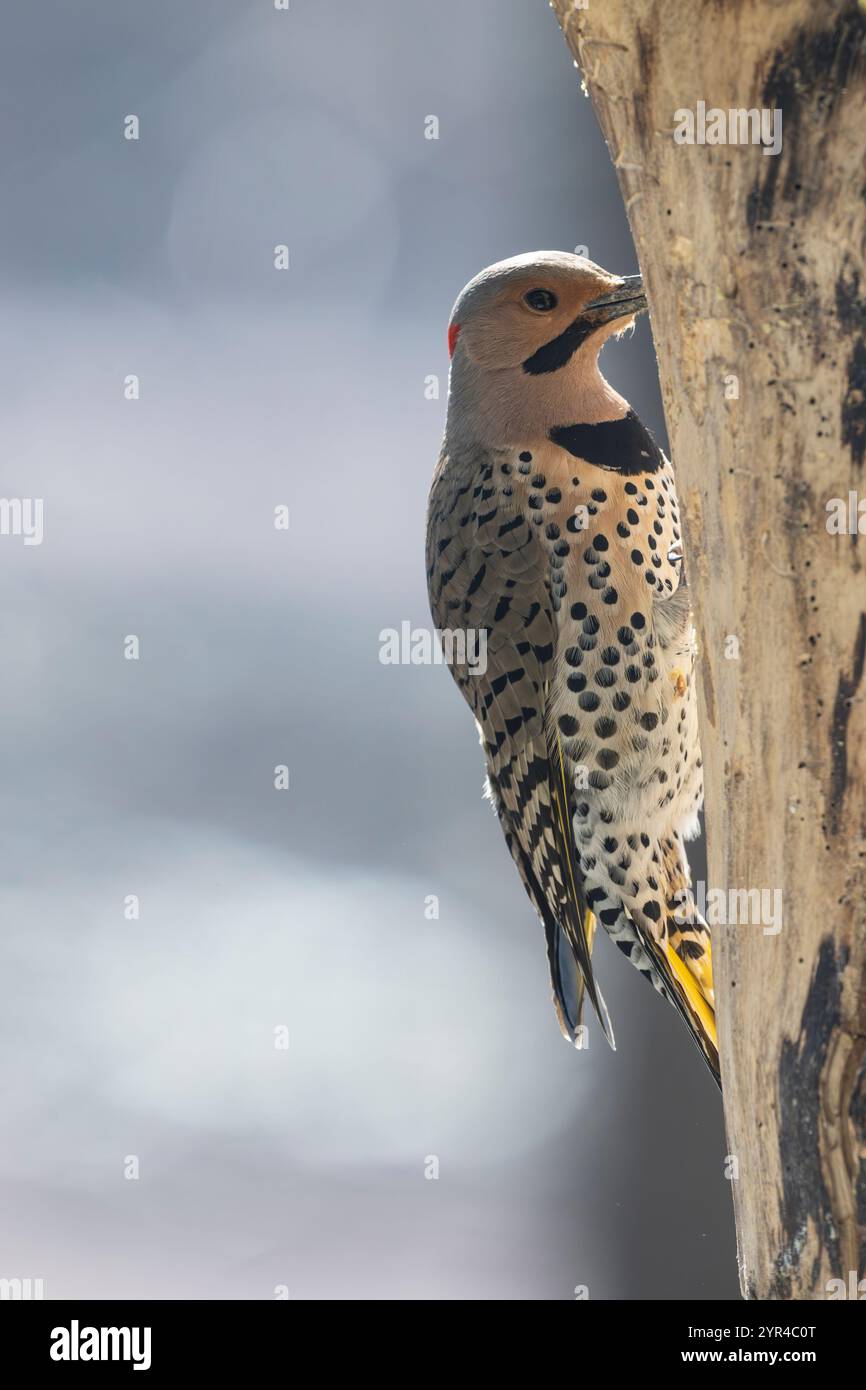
453 330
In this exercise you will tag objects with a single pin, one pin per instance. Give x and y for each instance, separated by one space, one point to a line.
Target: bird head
524 338
538 310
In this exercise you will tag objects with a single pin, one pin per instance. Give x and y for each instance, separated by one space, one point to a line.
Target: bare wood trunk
756 271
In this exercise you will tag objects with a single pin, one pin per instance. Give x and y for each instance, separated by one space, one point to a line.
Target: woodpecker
553 527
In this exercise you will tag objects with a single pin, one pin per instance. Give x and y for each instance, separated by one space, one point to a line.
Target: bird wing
486 572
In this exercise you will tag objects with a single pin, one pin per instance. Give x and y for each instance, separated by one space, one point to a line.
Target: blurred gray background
408 1037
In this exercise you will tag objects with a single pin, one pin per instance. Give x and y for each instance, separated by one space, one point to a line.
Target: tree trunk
755 266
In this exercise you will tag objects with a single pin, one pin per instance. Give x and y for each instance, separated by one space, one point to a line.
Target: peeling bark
755 266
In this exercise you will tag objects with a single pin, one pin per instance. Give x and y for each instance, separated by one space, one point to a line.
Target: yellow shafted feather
694 991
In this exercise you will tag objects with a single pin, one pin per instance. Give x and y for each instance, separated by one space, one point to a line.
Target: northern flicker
553 528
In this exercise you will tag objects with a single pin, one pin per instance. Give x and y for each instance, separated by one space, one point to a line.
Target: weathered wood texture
755 269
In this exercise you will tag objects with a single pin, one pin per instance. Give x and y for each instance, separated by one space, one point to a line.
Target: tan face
539 311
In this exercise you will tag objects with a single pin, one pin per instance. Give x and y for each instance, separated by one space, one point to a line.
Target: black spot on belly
622 446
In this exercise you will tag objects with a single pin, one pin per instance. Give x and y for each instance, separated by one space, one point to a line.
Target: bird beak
628 298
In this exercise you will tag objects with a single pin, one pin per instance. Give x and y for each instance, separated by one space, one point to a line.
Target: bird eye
541 300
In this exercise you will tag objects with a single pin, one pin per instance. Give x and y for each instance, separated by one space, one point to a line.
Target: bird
553 533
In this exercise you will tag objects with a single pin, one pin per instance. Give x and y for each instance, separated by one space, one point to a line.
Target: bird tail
567 980
570 949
